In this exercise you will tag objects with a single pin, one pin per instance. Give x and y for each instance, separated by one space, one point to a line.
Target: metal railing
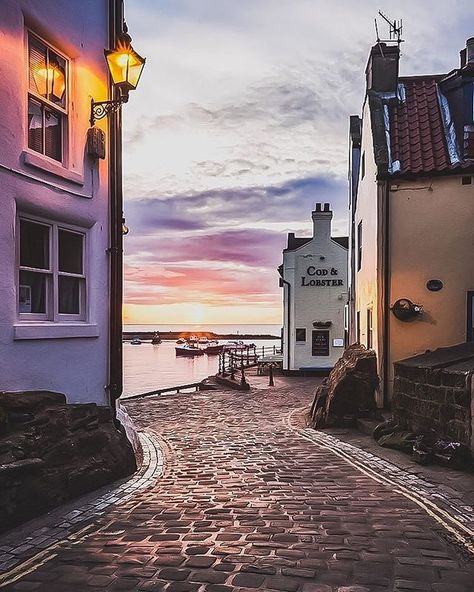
169 389
234 360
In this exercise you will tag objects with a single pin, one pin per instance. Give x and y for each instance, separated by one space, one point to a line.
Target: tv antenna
395 30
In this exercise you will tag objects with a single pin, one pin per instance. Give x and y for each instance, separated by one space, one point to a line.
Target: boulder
349 390
24 401
51 452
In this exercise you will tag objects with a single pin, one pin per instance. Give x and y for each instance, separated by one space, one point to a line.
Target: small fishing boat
203 340
156 339
213 347
188 349
136 341
235 345
181 340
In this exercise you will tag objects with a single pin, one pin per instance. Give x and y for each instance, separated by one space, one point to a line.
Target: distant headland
173 335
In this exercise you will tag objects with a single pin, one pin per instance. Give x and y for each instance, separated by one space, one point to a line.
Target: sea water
148 367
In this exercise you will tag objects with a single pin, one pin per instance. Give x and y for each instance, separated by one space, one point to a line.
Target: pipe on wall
288 330
116 238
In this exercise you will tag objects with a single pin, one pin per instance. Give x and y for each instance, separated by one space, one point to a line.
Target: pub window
359 246
300 334
47 99
370 333
51 279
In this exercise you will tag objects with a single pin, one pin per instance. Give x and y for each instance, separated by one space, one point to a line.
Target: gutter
115 250
386 294
283 281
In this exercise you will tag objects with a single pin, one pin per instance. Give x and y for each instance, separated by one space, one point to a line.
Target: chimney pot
382 68
470 51
318 207
327 207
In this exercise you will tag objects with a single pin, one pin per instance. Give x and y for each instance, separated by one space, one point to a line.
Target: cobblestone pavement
247 502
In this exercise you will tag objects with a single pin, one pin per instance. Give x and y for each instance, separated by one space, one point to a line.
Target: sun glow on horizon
192 313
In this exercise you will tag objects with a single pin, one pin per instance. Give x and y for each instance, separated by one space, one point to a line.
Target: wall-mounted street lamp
125 67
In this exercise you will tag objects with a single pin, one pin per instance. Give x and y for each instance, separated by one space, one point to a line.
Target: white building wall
317 273
69 357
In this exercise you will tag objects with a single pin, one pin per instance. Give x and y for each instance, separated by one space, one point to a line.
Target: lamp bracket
99 109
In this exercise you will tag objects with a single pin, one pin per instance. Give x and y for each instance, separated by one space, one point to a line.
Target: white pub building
314 281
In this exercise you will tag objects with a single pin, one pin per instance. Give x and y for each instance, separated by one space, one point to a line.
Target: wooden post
270 373
232 374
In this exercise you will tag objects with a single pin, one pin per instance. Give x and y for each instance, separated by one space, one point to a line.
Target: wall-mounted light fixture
125 67
125 228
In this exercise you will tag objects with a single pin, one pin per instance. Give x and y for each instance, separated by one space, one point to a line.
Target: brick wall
433 399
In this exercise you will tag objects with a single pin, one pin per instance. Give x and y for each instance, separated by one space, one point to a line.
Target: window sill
47 330
38 161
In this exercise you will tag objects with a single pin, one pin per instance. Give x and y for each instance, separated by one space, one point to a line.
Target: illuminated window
51 280
47 99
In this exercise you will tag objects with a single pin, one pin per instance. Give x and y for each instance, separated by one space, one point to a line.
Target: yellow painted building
412 211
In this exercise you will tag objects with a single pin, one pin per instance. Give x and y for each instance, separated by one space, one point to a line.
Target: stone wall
51 452
434 398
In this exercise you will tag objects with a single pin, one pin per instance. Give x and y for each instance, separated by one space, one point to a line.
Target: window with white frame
51 279
47 99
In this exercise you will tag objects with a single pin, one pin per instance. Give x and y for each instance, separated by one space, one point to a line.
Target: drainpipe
386 296
115 214
288 332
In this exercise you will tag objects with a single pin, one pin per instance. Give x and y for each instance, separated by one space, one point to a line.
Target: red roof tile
417 133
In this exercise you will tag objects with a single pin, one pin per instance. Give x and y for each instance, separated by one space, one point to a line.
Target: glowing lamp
50 82
125 68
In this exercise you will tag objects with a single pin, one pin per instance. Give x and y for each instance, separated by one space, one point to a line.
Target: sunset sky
238 127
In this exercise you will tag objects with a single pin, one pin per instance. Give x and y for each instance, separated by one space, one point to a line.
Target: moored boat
188 349
213 347
156 339
136 341
235 345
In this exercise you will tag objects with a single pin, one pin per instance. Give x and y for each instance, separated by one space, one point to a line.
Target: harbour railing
233 360
169 389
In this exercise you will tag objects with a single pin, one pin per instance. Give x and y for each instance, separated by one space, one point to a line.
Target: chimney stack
382 68
467 53
322 216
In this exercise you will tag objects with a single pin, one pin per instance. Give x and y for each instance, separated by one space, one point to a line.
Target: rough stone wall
438 399
51 452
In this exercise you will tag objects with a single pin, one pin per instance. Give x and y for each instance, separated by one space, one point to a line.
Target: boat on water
188 349
181 340
213 347
193 339
156 339
235 345
136 341
203 340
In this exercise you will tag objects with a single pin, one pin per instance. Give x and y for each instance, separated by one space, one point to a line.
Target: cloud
240 124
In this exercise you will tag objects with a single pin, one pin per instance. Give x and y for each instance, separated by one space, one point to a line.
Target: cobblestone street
246 502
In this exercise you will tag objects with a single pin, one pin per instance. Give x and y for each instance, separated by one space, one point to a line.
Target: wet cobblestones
247 502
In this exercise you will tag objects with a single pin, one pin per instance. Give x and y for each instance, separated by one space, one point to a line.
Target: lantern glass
125 66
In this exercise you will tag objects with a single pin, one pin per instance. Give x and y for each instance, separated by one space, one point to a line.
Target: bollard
243 382
270 373
232 369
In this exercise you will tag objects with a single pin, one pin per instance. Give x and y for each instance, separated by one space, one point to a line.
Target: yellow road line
427 505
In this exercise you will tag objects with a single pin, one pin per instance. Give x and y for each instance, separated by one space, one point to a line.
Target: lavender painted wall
71 358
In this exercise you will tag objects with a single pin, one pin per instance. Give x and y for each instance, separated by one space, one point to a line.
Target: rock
349 390
25 401
51 452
